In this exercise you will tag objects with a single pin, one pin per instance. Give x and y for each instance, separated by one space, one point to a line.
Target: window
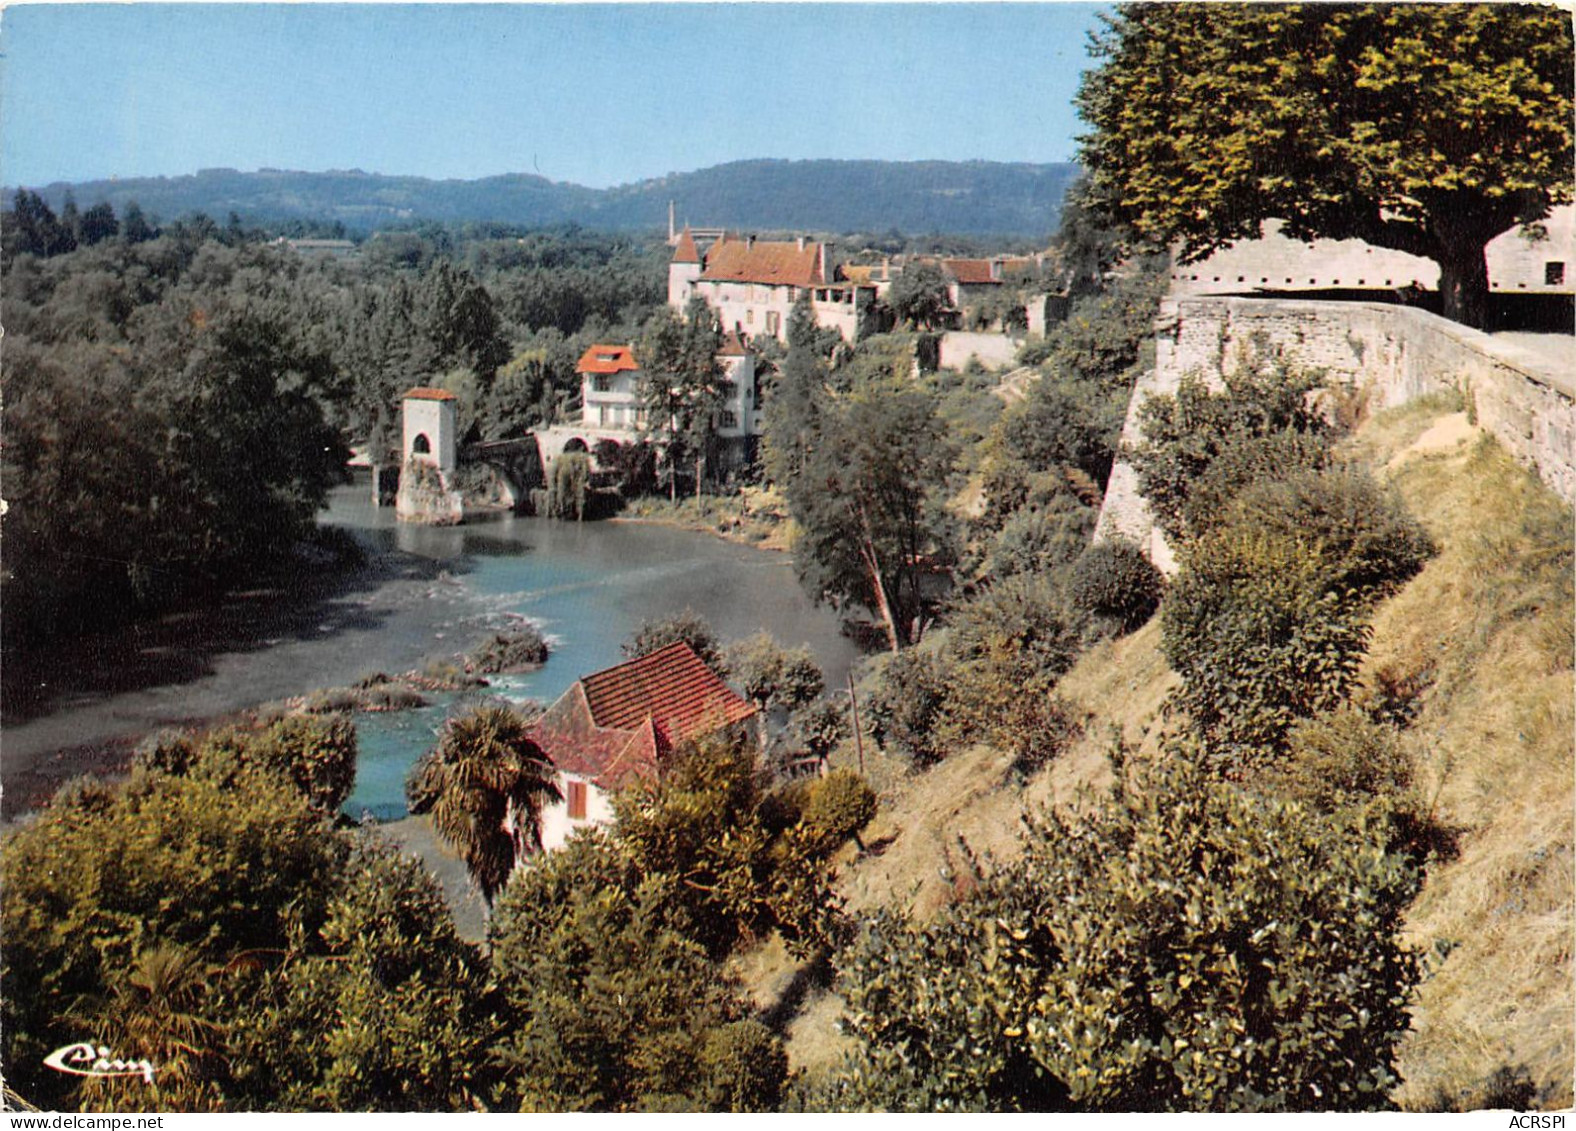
599 383
773 322
577 801
1554 274
730 419
749 316
421 445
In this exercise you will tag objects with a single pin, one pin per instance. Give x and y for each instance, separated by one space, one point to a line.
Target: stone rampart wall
1397 353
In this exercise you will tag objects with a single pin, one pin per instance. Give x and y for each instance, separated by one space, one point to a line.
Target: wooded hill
977 197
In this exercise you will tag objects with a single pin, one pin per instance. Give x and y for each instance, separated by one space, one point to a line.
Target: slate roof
620 723
422 393
607 359
771 262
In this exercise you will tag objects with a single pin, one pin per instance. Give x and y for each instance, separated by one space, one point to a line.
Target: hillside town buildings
753 284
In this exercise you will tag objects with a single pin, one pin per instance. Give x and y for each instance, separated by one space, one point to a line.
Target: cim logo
85 1059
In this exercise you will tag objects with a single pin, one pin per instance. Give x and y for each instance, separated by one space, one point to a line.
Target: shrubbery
1259 639
614 1005
906 709
657 633
509 651
1009 646
1116 586
1195 948
1262 423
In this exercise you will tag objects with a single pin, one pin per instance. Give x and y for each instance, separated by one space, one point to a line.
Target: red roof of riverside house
422 393
969 271
685 250
759 261
733 345
621 722
607 359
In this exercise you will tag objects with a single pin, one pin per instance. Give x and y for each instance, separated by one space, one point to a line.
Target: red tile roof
621 722
773 263
673 687
685 251
607 359
422 393
732 345
969 271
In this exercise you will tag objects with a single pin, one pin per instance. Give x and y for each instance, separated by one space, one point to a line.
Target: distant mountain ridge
915 197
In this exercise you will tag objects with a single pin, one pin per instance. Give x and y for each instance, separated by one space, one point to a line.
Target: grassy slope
1487 626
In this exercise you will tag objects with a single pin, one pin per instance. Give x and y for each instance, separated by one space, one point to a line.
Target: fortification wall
1397 353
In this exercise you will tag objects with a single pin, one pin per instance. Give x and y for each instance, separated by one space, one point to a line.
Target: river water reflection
587 586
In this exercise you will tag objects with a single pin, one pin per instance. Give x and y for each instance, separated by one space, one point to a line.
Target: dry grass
1486 632
1484 635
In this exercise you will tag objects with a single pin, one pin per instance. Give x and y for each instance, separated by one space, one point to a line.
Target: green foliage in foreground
615 1006
207 915
1195 948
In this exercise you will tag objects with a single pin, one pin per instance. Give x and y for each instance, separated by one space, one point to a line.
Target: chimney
751 240
801 243
820 261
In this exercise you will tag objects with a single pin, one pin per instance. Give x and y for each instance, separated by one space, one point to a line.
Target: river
426 593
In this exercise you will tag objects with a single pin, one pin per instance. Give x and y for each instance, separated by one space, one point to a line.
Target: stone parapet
1525 398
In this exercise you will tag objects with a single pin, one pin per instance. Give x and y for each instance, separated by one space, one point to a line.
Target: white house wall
556 822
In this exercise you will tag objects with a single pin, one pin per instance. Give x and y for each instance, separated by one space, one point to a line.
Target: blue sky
593 94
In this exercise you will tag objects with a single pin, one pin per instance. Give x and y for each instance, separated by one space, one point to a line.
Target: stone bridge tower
428 459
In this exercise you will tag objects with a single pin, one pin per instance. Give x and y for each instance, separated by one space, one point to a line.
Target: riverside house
622 724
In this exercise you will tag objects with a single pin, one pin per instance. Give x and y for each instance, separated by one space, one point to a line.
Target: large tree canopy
1424 128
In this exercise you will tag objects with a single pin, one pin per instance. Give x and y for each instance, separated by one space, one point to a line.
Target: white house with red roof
753 284
623 724
611 379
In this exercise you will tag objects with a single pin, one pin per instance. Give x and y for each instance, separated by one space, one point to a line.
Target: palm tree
485 784
156 1012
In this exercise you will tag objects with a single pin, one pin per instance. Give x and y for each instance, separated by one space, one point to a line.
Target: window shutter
577 800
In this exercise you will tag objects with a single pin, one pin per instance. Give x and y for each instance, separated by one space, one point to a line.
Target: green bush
1344 760
1195 948
838 808
218 864
1262 422
689 626
1009 646
1360 529
773 676
1041 539
316 753
608 1004
906 708
1260 640
1116 586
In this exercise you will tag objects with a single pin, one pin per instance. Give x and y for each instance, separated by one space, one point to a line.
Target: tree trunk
1463 283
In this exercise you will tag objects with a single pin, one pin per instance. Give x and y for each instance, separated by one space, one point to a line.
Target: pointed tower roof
686 251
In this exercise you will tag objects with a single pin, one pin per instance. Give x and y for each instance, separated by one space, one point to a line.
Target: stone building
753 284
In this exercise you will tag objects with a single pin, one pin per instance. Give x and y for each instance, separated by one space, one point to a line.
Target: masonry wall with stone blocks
1397 353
